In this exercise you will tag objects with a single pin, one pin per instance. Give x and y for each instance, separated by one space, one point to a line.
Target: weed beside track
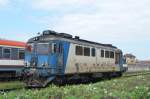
133 87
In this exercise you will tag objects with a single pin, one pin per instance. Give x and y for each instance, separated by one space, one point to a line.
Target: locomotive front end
37 68
40 63
44 59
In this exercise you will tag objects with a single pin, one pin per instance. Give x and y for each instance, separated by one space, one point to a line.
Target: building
130 59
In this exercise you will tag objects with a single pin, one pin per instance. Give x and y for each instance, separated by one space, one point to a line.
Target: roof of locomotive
64 36
12 43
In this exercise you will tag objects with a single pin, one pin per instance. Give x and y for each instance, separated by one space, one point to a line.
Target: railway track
3 91
127 74
130 74
10 86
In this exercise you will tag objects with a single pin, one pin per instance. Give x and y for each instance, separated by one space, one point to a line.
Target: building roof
11 43
129 55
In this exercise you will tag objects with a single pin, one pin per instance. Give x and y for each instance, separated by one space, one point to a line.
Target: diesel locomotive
53 56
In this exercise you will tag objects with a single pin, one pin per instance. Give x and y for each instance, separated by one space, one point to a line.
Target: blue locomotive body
58 56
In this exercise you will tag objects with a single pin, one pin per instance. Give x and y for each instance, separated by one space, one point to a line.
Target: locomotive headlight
27 64
45 64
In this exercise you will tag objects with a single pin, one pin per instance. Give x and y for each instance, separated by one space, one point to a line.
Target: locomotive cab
44 60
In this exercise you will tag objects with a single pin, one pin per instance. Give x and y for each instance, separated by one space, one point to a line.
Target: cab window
54 47
60 48
43 48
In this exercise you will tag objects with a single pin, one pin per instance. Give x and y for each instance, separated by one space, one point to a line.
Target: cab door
60 58
56 57
118 59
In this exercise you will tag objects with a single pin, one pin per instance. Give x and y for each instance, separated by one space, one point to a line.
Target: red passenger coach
11 58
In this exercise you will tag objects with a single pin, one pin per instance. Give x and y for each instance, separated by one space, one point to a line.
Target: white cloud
4 3
53 4
121 22
117 19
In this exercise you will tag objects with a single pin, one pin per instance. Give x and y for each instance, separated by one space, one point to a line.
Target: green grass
11 85
137 87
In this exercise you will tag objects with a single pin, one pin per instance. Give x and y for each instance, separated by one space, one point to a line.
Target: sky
123 23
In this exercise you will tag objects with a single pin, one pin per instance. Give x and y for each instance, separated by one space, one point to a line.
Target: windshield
43 48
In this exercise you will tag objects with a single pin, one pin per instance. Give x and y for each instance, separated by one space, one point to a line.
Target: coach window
106 54
102 53
79 50
93 52
1 52
111 54
21 54
6 53
86 51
